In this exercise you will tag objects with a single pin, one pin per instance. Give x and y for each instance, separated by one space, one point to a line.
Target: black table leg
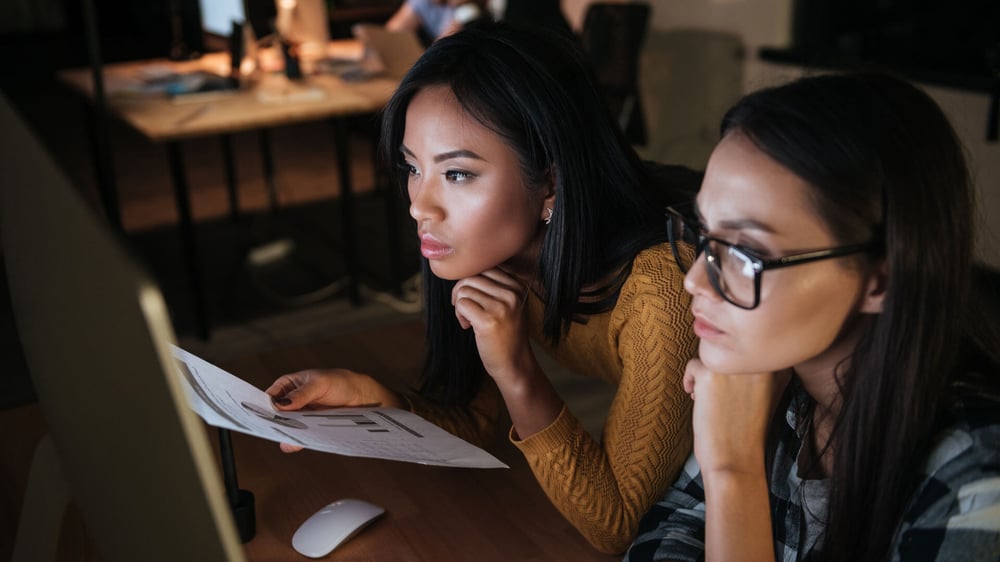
100 137
188 244
267 160
348 217
229 170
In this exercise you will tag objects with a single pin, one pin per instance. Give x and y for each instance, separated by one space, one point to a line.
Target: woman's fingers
502 278
298 390
472 314
319 388
283 385
731 416
484 312
482 299
689 376
492 284
492 304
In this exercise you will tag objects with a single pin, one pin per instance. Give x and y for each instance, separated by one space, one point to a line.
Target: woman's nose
696 280
423 200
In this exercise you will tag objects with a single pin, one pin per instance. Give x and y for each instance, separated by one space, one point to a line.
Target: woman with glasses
846 396
536 221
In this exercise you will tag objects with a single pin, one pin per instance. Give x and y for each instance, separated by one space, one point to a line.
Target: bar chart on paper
224 400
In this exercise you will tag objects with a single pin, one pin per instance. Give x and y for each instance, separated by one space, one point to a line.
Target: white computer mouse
331 526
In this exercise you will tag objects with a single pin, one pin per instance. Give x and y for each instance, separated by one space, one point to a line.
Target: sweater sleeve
604 488
476 422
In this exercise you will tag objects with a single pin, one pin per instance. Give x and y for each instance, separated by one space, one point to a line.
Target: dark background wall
938 40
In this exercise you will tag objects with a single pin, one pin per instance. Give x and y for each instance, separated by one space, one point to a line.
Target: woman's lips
431 248
704 329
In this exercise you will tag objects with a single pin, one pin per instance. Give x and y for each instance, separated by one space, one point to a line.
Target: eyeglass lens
731 271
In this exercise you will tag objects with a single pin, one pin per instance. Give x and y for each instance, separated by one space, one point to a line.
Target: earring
548 219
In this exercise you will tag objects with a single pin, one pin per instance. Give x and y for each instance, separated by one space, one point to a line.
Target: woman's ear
549 189
548 207
875 290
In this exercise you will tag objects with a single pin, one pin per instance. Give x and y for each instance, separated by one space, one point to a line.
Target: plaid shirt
954 514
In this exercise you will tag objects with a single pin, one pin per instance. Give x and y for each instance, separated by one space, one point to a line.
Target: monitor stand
241 501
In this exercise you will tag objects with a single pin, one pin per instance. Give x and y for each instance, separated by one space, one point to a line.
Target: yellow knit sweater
642 346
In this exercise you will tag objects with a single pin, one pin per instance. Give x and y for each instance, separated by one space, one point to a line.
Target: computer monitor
95 332
306 23
217 18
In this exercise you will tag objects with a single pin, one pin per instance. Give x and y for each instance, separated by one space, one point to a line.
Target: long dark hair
885 164
536 91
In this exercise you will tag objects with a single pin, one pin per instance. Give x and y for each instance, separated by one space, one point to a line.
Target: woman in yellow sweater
537 221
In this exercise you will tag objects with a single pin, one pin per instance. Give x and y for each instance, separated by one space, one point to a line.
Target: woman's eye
752 248
754 251
408 168
458 175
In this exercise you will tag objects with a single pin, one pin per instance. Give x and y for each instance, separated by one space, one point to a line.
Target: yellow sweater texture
642 346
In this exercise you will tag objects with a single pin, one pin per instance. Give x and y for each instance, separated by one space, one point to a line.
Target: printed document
226 401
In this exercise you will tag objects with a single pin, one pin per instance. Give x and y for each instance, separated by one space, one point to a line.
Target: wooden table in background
270 102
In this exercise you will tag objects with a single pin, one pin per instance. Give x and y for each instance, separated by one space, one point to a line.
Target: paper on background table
224 400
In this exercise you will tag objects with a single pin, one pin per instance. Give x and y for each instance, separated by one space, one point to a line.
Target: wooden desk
160 119
433 514
271 102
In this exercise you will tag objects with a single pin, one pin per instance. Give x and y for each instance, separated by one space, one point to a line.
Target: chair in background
612 35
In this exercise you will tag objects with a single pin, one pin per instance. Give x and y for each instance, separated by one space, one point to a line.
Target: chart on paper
224 400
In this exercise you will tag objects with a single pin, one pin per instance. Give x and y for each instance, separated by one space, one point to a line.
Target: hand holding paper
224 400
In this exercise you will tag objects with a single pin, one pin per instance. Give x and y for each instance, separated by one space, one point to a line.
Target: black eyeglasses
734 271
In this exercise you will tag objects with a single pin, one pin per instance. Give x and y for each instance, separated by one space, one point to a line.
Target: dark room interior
272 257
